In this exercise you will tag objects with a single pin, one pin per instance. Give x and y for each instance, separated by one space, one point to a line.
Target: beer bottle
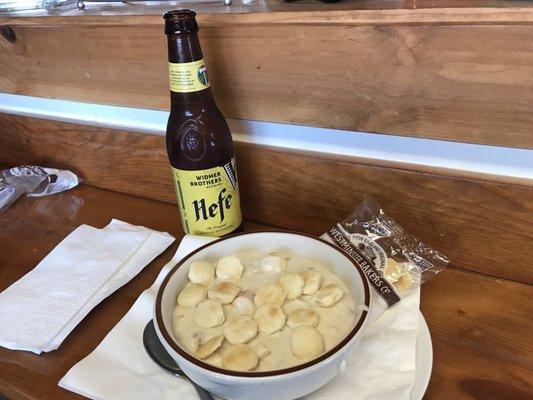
199 143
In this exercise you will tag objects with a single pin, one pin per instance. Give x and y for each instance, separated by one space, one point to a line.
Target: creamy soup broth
334 322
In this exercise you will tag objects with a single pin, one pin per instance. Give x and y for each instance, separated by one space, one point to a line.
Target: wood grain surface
480 325
463 77
482 226
477 351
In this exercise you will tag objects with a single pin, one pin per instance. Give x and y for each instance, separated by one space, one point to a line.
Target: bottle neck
185 48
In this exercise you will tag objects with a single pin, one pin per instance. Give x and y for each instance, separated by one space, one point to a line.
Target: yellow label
188 77
209 200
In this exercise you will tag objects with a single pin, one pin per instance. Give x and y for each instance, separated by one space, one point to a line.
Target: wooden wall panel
434 77
483 226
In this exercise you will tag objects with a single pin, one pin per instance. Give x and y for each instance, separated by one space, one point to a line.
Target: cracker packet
34 181
393 260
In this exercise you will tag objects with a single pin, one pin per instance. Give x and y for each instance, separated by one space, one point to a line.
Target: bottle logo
191 135
202 75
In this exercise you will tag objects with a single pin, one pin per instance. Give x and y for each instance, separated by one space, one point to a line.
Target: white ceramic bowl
285 384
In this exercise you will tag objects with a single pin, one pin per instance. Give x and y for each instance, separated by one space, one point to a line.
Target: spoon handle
202 393
160 356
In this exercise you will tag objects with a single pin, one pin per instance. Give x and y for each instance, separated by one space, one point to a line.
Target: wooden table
481 326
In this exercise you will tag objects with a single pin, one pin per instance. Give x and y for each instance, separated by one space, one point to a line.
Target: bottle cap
180 22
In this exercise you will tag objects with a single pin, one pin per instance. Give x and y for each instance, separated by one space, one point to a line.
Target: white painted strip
494 160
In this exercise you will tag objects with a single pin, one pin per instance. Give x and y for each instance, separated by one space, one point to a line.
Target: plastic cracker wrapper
33 181
393 260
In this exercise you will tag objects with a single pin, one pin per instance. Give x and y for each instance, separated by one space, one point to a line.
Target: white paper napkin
383 366
119 367
39 310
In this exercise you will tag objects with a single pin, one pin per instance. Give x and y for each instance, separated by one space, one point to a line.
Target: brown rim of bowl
212 368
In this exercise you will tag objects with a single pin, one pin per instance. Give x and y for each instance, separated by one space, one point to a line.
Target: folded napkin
39 310
383 366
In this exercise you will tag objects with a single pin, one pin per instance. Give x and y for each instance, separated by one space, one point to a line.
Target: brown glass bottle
199 143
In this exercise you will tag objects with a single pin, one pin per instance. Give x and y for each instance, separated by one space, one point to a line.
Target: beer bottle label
209 199
188 77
